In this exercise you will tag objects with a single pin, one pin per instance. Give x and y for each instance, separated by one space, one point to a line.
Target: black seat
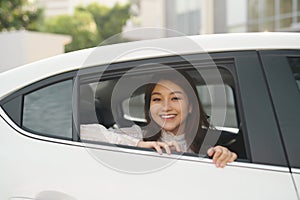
103 103
87 111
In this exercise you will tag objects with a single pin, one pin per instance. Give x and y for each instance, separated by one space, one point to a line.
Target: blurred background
34 29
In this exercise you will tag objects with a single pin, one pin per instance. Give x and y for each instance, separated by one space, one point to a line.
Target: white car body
42 168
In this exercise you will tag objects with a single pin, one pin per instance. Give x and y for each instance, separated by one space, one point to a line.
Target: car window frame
13 103
257 135
279 76
114 70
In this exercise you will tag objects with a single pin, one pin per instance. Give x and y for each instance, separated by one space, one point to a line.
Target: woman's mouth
169 116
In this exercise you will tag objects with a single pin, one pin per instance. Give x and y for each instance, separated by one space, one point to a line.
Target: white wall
54 7
207 14
152 14
236 15
22 47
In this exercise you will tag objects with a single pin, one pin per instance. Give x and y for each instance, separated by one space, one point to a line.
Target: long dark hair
196 121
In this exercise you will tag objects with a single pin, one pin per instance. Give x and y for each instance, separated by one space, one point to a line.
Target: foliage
80 26
90 25
109 21
19 14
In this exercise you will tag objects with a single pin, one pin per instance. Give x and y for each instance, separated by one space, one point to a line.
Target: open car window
118 102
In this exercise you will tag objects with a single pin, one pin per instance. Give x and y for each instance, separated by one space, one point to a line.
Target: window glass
48 111
208 94
298 13
286 6
252 9
286 22
286 15
268 8
295 65
136 111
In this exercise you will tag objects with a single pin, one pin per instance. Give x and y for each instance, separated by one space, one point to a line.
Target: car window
119 102
48 111
295 66
209 93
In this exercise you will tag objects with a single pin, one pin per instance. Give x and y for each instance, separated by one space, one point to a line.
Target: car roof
21 76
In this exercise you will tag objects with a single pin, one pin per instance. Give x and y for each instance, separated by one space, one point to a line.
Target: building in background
191 17
182 17
273 15
236 16
55 7
187 17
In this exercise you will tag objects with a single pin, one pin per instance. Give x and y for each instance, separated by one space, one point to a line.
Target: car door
259 175
282 69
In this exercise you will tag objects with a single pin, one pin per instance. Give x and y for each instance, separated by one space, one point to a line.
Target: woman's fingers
221 156
233 157
158 146
175 144
165 146
224 158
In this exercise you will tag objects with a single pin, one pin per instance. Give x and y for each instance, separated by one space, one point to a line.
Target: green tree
80 26
109 21
19 14
90 25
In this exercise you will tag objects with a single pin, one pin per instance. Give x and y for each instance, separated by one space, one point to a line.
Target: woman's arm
96 132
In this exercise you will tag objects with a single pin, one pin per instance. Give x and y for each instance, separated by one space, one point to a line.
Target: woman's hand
221 156
158 146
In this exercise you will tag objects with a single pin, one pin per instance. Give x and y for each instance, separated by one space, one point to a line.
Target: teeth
167 116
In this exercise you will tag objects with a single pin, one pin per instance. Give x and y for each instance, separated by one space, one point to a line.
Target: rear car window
48 111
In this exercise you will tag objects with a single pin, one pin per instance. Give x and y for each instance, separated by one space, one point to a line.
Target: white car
249 85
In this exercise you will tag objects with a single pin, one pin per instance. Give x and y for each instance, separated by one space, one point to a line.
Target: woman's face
169 106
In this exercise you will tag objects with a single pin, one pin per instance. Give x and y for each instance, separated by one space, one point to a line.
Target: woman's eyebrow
173 92
176 92
155 93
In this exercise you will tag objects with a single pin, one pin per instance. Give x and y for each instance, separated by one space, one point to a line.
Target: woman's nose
166 105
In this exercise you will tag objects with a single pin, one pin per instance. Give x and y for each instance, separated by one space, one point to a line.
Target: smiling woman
172 105
173 109
169 106
175 120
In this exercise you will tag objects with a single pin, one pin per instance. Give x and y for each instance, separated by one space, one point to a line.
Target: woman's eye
176 98
156 99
